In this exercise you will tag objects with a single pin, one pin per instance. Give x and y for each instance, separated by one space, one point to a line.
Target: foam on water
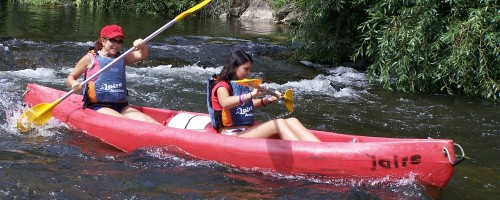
186 70
323 84
346 75
13 113
38 74
169 47
340 82
6 48
11 100
85 44
183 159
173 154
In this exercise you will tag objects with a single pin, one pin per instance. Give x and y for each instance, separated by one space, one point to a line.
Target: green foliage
279 3
146 6
217 7
472 63
301 3
328 32
163 7
432 46
43 2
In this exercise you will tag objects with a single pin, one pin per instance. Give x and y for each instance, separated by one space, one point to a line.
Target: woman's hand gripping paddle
40 114
255 83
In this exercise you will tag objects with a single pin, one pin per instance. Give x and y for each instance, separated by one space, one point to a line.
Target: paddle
40 114
255 83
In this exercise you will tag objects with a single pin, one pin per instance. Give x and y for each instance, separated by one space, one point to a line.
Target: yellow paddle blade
36 116
249 82
288 100
191 10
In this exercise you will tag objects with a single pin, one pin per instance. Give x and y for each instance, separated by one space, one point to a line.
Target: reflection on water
256 28
67 23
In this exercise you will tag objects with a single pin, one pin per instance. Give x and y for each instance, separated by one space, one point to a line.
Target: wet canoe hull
339 156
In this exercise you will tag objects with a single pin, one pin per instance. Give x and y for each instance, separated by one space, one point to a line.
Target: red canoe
429 161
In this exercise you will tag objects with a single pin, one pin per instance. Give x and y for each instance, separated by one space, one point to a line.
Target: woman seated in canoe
107 93
231 105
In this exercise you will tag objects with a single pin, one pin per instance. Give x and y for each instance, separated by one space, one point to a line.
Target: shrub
433 46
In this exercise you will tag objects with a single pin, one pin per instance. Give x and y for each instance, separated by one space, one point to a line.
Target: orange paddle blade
249 82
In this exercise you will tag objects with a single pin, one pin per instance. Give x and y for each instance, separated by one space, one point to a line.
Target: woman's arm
141 52
266 100
80 68
225 100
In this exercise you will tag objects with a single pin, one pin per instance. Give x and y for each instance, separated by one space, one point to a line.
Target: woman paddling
231 105
107 93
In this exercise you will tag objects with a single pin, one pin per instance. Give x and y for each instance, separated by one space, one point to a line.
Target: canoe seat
189 121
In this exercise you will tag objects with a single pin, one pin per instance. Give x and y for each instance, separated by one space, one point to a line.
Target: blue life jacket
216 123
110 86
240 115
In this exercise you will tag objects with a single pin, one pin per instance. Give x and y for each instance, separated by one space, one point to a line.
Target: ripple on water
260 179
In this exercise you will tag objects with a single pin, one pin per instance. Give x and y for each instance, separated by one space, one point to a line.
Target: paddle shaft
272 93
152 35
257 83
41 113
120 57
287 99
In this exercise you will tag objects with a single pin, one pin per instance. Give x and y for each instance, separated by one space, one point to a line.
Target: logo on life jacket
245 111
113 87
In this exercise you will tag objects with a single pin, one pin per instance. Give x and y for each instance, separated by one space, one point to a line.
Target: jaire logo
395 162
245 111
111 86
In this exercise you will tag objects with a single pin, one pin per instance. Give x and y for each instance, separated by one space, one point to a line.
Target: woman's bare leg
270 128
109 111
133 113
300 131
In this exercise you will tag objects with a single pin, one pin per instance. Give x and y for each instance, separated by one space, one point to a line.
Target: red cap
111 31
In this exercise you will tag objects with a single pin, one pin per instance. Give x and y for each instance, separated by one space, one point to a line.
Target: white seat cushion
189 121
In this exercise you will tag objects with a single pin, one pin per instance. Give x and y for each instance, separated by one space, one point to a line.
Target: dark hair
98 44
235 59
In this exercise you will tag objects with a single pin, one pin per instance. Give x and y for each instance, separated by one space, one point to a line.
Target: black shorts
118 107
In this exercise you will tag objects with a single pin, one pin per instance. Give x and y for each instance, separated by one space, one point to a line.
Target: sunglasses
113 41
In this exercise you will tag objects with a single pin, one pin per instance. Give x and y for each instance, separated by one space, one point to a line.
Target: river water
40 44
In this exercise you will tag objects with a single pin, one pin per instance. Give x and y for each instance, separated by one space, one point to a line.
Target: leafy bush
147 6
43 2
432 46
328 31
278 3
163 7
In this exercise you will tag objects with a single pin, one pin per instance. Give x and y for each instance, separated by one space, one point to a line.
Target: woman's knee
280 122
292 120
